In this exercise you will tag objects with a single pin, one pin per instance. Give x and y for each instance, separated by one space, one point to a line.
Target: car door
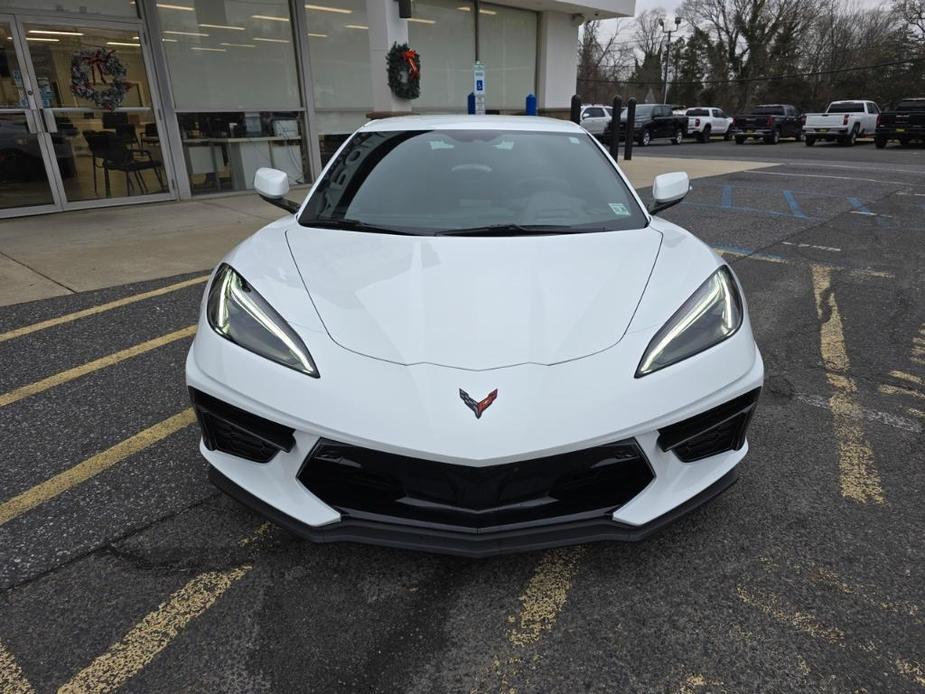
869 124
722 122
661 116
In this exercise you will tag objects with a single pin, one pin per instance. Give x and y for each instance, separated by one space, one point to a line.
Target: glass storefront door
77 102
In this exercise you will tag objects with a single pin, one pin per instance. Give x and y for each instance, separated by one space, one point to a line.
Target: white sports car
473 338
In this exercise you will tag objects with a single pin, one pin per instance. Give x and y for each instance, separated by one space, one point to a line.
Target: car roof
458 122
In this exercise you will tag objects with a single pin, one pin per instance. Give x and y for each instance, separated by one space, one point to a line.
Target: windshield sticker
505 144
574 140
619 209
440 144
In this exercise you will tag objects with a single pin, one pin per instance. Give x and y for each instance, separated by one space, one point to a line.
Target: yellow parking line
93 310
772 606
858 476
153 634
12 680
545 595
911 378
95 365
92 466
894 390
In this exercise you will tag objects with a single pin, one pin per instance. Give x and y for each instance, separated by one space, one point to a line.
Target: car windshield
768 111
847 107
446 181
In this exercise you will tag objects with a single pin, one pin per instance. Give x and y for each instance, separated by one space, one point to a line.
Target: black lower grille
231 430
715 431
365 483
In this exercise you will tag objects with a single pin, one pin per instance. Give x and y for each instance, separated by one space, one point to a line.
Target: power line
738 80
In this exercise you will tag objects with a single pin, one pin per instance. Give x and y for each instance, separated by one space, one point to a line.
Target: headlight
712 314
238 313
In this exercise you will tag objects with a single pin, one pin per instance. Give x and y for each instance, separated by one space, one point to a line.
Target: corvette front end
473 395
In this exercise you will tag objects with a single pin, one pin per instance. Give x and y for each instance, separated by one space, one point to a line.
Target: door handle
51 124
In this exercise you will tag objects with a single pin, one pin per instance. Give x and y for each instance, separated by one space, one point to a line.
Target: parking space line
727 197
12 679
911 378
859 479
897 390
153 634
887 418
94 310
94 465
95 365
794 205
545 595
773 606
748 254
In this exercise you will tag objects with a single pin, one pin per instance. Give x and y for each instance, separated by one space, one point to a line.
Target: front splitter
388 533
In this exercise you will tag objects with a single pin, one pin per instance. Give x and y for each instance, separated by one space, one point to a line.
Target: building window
508 50
444 32
338 45
110 8
236 89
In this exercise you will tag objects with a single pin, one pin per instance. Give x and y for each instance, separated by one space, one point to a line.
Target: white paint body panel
562 355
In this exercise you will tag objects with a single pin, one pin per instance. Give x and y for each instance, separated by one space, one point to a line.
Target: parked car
770 122
513 353
652 121
595 117
844 121
905 123
704 121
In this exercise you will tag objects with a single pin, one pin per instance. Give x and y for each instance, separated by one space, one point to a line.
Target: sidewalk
53 255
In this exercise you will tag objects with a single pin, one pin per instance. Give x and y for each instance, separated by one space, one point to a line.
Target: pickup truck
652 121
770 122
595 117
905 123
844 121
704 121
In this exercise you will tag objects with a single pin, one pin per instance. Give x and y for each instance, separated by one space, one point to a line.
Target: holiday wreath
89 64
404 71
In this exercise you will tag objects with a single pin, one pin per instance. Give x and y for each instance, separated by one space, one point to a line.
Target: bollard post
630 122
470 104
530 109
615 127
575 115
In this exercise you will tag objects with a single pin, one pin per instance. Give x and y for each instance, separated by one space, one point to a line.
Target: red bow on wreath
411 57
97 62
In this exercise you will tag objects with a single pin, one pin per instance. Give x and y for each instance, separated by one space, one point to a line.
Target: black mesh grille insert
361 482
231 430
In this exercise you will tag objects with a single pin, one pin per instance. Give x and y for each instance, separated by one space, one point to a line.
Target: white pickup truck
844 121
704 121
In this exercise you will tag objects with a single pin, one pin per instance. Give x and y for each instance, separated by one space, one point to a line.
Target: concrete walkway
51 255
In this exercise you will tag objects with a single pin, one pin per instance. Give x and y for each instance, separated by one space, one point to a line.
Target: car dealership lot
121 565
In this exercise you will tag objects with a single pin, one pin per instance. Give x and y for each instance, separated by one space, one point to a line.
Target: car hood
475 302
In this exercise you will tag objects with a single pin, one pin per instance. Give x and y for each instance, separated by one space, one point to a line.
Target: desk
244 156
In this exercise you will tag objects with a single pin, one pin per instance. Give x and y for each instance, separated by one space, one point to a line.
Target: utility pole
677 24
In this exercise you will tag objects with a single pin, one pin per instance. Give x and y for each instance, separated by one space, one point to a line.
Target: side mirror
669 189
273 186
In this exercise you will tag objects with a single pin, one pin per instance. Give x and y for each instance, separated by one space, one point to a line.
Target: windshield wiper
354 225
512 230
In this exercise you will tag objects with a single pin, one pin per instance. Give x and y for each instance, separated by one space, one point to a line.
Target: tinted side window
872 107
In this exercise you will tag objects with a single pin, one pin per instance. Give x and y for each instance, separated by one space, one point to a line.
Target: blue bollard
470 103
531 105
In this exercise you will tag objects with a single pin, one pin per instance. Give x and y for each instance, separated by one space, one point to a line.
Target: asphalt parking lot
122 567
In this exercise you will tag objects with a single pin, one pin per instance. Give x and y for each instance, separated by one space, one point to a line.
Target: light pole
677 25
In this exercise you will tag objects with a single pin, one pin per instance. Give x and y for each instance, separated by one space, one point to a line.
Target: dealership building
106 102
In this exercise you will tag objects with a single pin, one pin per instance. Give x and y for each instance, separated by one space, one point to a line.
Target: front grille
715 431
364 483
232 430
